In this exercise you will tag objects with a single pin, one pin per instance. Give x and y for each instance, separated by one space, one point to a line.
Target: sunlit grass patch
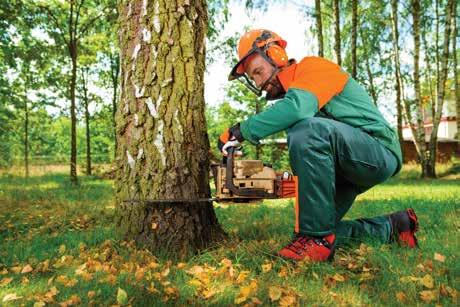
59 244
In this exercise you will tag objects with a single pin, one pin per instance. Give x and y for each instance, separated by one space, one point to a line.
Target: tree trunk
73 117
398 79
354 36
319 28
337 32
163 145
441 89
419 136
26 136
84 77
114 71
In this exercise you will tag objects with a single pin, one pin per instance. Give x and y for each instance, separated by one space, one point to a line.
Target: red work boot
404 224
309 248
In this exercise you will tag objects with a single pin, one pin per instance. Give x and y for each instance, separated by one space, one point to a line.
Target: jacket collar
287 75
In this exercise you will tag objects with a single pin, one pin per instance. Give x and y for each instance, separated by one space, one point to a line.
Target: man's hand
231 137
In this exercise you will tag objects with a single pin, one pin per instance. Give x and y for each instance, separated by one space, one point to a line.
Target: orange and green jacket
318 87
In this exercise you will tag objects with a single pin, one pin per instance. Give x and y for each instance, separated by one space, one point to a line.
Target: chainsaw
240 181
250 180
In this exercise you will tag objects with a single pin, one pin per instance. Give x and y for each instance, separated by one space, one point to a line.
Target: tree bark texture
354 36
319 28
441 89
419 136
114 71
397 70
337 31
162 138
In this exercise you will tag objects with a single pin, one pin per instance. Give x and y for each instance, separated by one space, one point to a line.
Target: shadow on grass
55 187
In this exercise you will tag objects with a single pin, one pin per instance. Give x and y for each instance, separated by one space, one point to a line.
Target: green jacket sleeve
296 105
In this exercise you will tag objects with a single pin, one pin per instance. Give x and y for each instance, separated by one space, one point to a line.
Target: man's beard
276 90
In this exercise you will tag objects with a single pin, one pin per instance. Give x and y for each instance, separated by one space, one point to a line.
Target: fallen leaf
274 293
4 272
52 292
245 292
181 265
242 276
427 295
427 281
5 281
11 297
208 293
62 249
154 226
16 269
267 267
407 279
25 280
91 294
27 269
122 297
283 272
39 304
73 300
139 274
401 297
439 257
338 277
288 300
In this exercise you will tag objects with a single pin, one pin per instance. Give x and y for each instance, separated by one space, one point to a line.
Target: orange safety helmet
266 42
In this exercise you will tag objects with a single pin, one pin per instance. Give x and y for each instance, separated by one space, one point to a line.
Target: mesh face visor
247 81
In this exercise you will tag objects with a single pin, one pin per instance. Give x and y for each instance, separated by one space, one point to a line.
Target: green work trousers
334 163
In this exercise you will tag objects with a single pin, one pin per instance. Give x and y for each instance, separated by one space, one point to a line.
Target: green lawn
58 244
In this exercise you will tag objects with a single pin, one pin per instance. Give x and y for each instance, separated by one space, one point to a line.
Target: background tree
319 27
70 21
337 43
163 147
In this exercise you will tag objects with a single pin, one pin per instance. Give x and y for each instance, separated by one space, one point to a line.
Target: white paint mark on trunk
140 153
131 161
154 52
159 142
156 17
178 124
138 93
151 107
146 35
129 10
144 7
166 82
136 51
158 102
136 120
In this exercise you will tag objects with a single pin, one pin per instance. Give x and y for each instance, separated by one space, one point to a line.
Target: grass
58 244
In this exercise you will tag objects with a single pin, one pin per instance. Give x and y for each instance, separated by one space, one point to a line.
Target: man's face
260 71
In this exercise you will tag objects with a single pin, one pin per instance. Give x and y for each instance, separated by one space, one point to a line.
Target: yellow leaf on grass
407 279
16 269
27 269
181 265
52 292
194 282
5 281
242 276
139 274
72 301
267 267
4 272
91 294
208 293
39 304
427 295
439 257
245 292
195 270
122 297
62 249
427 281
401 297
226 262
283 272
11 297
274 293
338 277
288 300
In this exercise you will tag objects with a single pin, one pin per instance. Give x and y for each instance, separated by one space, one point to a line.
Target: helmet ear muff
277 54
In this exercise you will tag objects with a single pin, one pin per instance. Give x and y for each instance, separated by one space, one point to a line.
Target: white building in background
447 129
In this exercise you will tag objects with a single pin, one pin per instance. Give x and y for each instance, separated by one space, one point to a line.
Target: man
339 144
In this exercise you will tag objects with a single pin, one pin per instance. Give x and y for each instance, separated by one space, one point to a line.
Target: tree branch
85 27
56 23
